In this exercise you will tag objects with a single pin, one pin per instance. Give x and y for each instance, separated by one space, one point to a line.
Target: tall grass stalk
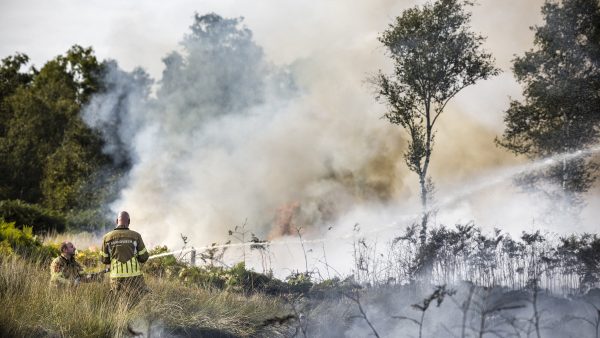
30 307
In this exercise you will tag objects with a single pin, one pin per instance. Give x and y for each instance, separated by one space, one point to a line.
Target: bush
6 249
299 282
236 278
167 266
24 214
332 288
23 242
90 259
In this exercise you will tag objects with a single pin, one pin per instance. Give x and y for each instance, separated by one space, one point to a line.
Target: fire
285 220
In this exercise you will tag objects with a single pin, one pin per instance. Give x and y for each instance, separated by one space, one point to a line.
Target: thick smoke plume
231 137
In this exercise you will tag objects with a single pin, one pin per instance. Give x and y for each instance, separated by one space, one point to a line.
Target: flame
285 220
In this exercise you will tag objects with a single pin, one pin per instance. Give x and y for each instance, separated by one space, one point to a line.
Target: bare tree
464 308
594 321
435 56
354 295
438 295
489 306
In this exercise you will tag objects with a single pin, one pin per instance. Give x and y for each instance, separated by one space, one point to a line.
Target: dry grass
31 308
192 308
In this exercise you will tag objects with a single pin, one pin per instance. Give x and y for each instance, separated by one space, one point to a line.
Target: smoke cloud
231 137
251 124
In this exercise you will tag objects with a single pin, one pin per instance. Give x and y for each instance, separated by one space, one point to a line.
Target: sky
141 34
332 48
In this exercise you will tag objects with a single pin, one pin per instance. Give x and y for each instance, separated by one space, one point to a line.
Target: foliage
333 288
49 156
42 117
299 282
222 52
25 214
466 253
582 253
238 279
561 80
23 242
88 258
435 56
163 267
11 79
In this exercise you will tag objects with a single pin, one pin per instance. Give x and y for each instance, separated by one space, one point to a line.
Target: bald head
123 219
67 249
66 246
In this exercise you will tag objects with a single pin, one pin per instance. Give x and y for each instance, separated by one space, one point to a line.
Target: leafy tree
11 78
40 220
222 53
48 151
435 56
560 111
70 168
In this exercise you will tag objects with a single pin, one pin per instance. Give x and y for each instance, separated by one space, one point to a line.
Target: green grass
31 308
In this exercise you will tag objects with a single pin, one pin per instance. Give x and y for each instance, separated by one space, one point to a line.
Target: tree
48 151
560 112
12 78
435 56
222 72
438 295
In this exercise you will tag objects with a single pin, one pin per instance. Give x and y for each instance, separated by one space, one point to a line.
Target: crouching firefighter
125 251
65 271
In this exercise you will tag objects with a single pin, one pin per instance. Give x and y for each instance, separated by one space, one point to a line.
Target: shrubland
214 299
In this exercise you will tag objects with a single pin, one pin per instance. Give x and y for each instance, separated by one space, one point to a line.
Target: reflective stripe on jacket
124 250
128 269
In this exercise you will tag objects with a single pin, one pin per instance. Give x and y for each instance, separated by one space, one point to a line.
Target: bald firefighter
125 251
65 270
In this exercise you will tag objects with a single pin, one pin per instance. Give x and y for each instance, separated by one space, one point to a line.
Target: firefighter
65 270
124 250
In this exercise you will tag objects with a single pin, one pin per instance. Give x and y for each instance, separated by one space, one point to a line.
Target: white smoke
231 137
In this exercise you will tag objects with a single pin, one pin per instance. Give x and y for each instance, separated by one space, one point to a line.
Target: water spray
509 173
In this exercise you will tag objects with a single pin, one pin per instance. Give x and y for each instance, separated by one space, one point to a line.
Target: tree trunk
423 174
535 309
466 311
425 212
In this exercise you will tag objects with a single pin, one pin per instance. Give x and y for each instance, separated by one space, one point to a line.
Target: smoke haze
278 134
